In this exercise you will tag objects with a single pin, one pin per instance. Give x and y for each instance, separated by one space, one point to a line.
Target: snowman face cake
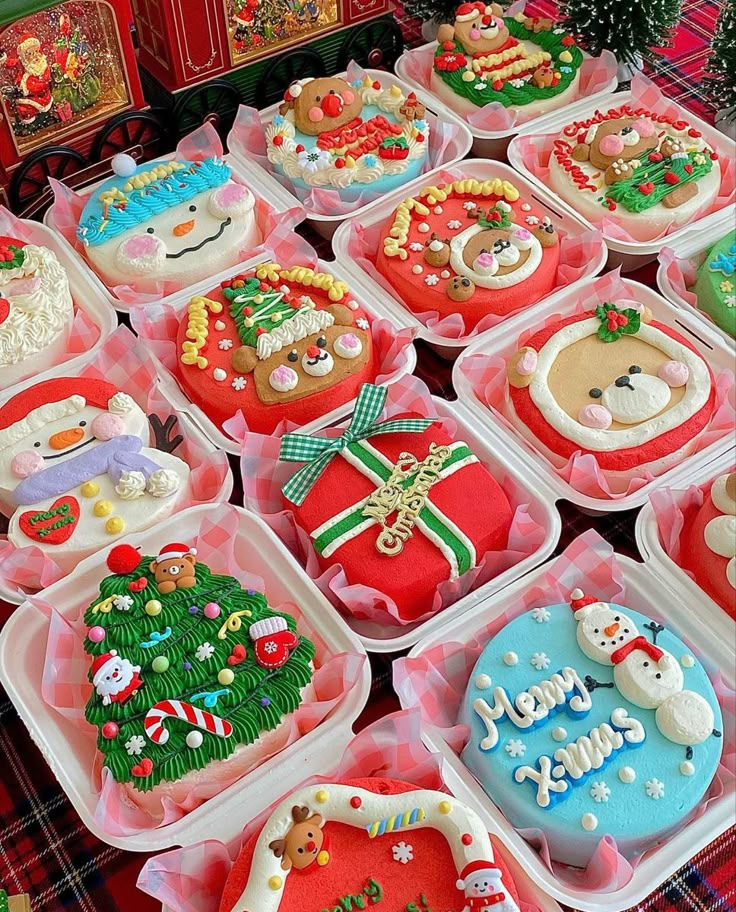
168 221
76 471
589 720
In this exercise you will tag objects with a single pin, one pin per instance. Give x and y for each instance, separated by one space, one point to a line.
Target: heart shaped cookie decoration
143 769
138 585
646 188
53 526
237 655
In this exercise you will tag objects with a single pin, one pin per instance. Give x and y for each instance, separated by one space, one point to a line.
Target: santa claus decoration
115 679
32 99
482 883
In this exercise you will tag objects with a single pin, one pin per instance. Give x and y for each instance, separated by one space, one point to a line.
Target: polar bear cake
167 222
588 720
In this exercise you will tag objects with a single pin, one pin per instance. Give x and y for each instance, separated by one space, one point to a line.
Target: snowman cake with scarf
588 720
167 221
76 470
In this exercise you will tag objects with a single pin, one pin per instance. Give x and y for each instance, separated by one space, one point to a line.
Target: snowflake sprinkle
454 223
541 615
416 247
403 853
515 747
239 383
362 323
432 279
123 602
134 745
204 651
655 788
531 220
540 660
730 300
270 648
225 344
599 791
470 206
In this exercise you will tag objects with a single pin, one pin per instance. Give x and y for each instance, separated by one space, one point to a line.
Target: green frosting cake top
715 285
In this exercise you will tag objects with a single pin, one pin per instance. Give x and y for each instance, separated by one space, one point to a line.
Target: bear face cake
715 285
402 508
612 382
276 343
370 841
167 221
36 309
589 720
651 172
190 674
470 247
708 543
76 471
521 62
354 137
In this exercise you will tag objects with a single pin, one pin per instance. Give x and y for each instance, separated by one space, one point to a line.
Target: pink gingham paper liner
435 682
198 146
487 377
65 685
577 252
122 360
535 150
248 139
263 476
158 324
192 879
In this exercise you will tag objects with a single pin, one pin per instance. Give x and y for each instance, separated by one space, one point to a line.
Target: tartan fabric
47 852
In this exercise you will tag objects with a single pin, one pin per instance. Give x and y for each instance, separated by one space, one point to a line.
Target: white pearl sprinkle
219 374
417 269
687 661
589 822
627 774
445 273
483 681
559 733
423 227
438 210
526 207
220 325
353 305
687 768
194 739
510 658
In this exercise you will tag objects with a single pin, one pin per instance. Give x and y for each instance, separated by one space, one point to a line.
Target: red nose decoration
332 105
313 351
311 846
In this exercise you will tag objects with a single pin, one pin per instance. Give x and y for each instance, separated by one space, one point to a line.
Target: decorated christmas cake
349 136
612 382
275 343
524 63
167 221
590 720
715 285
650 171
369 842
36 309
76 471
708 544
400 505
470 247
190 673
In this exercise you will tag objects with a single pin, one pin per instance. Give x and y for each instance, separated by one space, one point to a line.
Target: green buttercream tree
720 77
213 647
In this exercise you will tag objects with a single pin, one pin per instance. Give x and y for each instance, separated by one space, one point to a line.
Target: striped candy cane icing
395 822
176 709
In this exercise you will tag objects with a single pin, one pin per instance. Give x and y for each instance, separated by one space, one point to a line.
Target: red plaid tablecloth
46 851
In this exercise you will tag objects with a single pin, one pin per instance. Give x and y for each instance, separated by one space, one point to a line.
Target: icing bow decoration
318 452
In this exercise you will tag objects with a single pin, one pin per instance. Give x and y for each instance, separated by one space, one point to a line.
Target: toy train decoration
81 80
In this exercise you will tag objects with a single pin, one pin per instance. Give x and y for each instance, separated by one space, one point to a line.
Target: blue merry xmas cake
355 137
589 720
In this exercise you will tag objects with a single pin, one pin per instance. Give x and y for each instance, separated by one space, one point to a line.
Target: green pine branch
719 81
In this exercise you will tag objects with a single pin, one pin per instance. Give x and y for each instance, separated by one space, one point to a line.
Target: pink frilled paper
122 360
202 144
248 140
192 879
264 475
435 682
536 149
487 377
577 252
65 685
158 324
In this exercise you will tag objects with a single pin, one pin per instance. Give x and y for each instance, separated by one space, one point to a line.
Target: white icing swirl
163 483
121 404
131 485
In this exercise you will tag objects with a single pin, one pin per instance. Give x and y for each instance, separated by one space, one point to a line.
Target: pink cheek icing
527 364
315 114
107 426
611 145
485 260
141 245
230 195
26 463
349 340
348 97
674 373
595 416
522 234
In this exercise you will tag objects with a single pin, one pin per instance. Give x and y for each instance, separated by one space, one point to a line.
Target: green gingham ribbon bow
318 452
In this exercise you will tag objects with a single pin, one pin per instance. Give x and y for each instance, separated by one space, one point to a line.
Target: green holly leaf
634 323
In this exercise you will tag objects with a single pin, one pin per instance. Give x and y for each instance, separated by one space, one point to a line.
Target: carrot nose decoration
332 105
611 629
183 228
67 438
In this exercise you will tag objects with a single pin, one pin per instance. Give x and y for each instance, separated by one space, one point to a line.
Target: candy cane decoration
397 822
176 709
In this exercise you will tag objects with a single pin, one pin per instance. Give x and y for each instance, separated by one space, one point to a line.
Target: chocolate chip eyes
626 131
83 424
149 230
595 393
634 369
37 443
293 355
192 208
322 342
465 282
318 98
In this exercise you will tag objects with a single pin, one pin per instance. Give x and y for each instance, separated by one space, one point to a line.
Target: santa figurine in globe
115 679
483 886
33 98
76 471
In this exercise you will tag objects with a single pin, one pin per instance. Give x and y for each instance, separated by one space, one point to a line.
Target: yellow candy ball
445 807
115 525
322 796
566 57
90 489
468 76
275 882
102 508
226 677
152 607
323 858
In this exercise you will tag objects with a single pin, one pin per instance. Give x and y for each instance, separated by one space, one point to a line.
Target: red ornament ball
568 41
278 140
339 162
123 559
299 148
355 802
110 730
467 839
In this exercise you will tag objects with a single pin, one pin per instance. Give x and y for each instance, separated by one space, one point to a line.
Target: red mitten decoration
272 642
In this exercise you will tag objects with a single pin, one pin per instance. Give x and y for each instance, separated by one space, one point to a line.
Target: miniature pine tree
720 77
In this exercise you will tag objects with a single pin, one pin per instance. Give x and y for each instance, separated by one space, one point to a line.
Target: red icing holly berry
110 730
497 84
247 311
448 46
227 283
278 140
419 137
568 41
123 559
713 156
260 331
688 169
376 85
622 319
355 802
299 148
4 310
646 188
655 156
671 178
339 162
264 286
6 254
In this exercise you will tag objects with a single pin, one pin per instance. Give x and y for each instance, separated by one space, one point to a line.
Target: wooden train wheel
281 71
30 179
215 102
133 128
376 44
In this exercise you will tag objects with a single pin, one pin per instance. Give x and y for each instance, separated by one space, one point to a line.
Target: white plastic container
694 245
326 225
503 342
372 305
86 296
645 592
22 660
629 255
662 565
489 144
276 197
568 221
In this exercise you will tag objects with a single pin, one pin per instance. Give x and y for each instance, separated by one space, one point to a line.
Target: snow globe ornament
169 221
76 471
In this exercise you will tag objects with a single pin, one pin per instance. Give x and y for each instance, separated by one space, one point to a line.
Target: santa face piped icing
583 740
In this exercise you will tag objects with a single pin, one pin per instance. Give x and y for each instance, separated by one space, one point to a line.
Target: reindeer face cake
349 136
614 383
470 247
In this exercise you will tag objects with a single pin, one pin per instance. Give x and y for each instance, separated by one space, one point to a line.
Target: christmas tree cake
190 673
715 285
275 343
